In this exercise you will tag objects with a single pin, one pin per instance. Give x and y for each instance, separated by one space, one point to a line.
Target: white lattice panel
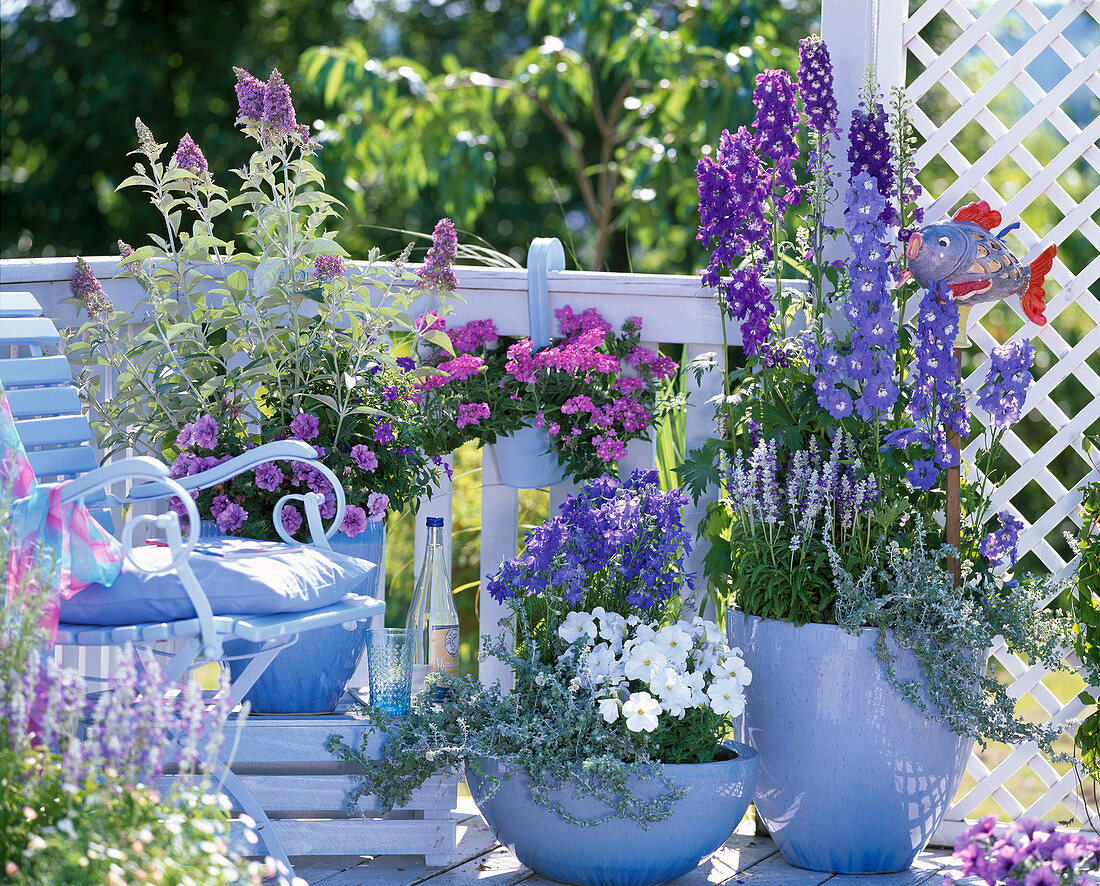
983 118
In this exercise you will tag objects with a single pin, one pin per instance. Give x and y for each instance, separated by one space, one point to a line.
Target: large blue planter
619 852
525 461
310 676
853 778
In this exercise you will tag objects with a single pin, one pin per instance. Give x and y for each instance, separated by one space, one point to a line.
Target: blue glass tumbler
389 669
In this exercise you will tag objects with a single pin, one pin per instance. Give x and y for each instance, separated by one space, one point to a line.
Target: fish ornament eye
944 242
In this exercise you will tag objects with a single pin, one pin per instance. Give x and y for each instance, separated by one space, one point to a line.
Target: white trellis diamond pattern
979 86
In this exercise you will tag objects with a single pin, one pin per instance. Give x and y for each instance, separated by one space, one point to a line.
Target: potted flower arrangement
610 761
577 401
856 609
277 337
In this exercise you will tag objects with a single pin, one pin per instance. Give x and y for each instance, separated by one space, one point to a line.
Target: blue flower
923 474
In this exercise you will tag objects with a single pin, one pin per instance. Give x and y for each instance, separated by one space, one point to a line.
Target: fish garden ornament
975 264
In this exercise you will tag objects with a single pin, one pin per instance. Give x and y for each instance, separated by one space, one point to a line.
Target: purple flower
471 414
269 477
204 432
354 522
363 457
437 272
278 110
776 122
383 433
377 505
391 392
908 436
305 426
1000 545
328 267
815 84
292 519
869 149
1044 875
87 288
188 156
232 518
923 475
408 364
1007 382
250 97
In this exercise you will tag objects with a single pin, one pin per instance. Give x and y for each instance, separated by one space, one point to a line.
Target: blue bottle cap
434 521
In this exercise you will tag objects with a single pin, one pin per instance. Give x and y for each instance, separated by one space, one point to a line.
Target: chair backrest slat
62 462
63 430
33 402
19 304
52 369
36 332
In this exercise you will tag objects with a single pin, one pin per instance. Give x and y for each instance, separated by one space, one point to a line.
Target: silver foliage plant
227 319
912 599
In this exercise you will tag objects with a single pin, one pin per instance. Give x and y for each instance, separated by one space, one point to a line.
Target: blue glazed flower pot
619 852
310 676
525 461
853 777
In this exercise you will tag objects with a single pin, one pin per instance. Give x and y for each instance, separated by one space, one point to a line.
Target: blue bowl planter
619 852
853 778
310 676
525 460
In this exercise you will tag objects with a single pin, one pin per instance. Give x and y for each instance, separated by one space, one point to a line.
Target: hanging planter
526 460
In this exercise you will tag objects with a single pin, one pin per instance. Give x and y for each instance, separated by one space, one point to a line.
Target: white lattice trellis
977 71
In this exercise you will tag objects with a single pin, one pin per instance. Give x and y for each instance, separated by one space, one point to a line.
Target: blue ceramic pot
853 778
310 676
619 852
525 460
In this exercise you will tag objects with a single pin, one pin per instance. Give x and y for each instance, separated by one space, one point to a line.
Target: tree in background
572 118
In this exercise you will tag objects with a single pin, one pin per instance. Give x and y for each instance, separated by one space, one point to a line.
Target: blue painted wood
545 254
36 332
19 304
52 369
65 461
31 402
64 430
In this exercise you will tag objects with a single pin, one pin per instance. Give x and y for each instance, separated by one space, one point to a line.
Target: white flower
644 661
643 633
711 631
726 697
732 666
674 693
694 681
613 628
601 661
609 708
641 711
576 625
675 642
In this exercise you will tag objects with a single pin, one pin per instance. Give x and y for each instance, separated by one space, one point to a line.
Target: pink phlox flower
437 271
354 522
435 380
269 477
305 426
292 519
521 365
553 429
572 324
204 432
633 324
463 367
640 357
540 419
664 367
631 414
602 417
580 403
364 457
232 518
377 505
608 448
471 414
189 156
250 97
630 385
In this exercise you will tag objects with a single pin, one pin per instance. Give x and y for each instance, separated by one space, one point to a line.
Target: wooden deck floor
479 859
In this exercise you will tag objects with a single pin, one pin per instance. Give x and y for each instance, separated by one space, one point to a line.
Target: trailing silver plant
911 597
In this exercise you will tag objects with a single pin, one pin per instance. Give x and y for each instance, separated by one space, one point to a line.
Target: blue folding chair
58 442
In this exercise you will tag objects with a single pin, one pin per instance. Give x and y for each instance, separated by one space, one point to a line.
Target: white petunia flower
675 642
674 693
576 625
695 682
641 711
601 662
726 697
644 661
711 631
609 709
732 666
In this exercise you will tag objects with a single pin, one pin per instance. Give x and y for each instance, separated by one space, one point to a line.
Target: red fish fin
962 290
980 214
1033 300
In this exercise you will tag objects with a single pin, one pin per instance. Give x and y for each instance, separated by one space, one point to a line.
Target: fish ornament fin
980 214
1033 301
960 291
1007 229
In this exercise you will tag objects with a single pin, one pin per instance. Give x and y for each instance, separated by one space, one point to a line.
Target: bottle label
444 651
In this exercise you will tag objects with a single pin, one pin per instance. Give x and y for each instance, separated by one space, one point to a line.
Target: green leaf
266 275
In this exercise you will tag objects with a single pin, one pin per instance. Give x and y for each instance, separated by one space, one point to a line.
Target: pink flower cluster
580 354
572 325
471 414
466 339
462 367
661 367
609 448
521 365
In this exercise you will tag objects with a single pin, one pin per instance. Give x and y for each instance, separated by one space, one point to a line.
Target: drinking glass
389 669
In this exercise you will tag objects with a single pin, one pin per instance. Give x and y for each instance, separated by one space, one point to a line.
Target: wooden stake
954 499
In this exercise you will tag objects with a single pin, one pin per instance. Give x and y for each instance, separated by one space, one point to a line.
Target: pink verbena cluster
475 334
471 414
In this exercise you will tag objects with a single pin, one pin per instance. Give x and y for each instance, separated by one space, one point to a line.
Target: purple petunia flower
363 457
377 505
188 156
269 477
232 518
250 97
204 432
292 519
354 522
328 267
383 433
437 272
86 287
305 426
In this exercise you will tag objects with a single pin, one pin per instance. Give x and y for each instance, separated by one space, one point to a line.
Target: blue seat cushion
240 576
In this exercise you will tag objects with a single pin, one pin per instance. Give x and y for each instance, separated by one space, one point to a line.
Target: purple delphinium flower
815 84
328 267
204 432
936 401
189 156
250 96
1007 382
232 518
363 457
437 272
1000 545
278 110
354 522
923 474
86 287
869 148
292 519
269 477
383 433
776 122
305 426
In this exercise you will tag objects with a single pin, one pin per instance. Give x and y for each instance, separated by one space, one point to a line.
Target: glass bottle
432 612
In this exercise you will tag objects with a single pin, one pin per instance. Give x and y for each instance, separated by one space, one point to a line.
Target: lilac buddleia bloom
250 96
1007 382
328 268
869 149
1000 545
86 287
815 84
189 156
437 272
278 110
